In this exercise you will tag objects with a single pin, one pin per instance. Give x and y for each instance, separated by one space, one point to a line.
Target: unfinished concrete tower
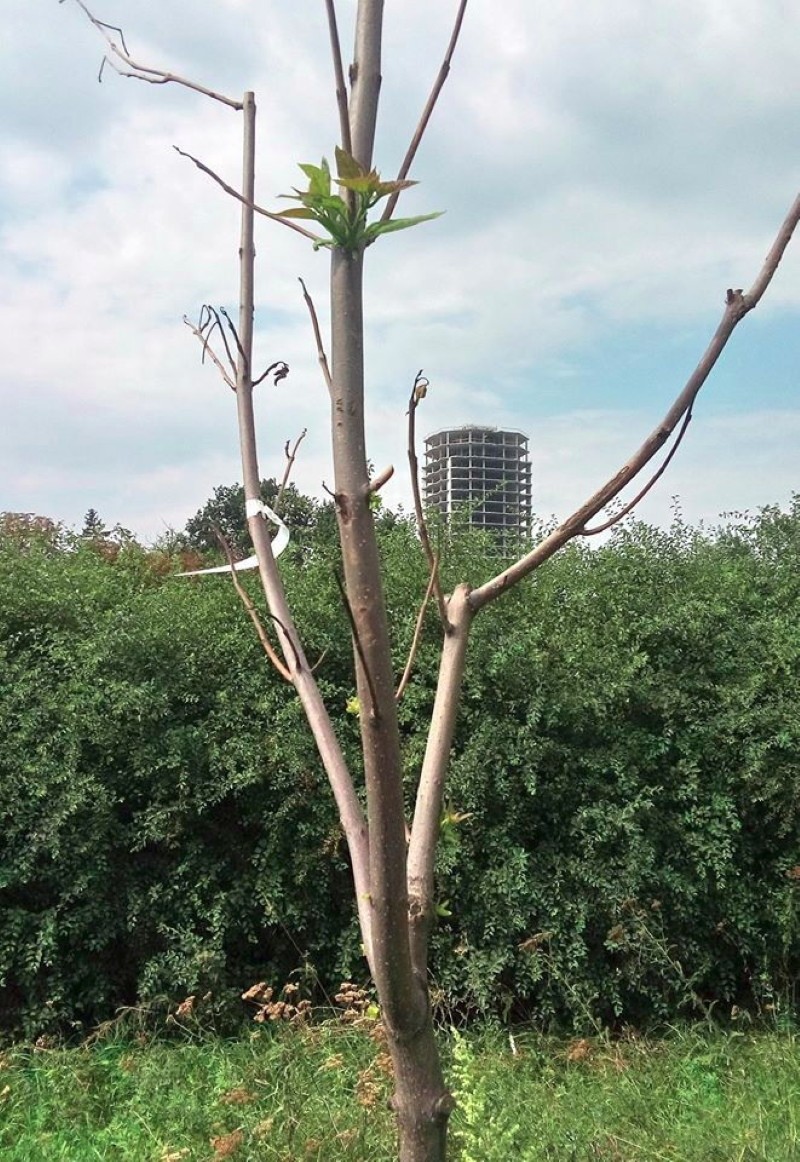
483 475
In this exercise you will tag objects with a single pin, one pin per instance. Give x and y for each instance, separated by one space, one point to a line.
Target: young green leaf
347 166
375 229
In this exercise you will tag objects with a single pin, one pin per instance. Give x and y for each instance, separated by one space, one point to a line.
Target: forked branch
738 303
119 52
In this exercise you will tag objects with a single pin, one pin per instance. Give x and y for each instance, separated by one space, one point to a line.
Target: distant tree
93 526
225 510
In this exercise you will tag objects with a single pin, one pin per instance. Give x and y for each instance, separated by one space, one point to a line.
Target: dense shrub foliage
621 840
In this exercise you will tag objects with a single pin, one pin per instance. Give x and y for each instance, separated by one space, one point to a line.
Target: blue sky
607 172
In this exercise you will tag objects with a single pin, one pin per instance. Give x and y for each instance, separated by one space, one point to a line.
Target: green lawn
319 1093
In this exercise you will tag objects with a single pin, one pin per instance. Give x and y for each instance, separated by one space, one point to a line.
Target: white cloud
604 168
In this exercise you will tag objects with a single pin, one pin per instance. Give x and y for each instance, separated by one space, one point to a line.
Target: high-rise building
482 473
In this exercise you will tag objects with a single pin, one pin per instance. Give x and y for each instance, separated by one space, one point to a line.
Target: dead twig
278 370
144 72
203 333
438 85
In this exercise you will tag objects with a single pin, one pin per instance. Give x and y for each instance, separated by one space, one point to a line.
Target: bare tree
392 861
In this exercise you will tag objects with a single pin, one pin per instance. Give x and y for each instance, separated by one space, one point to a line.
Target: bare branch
323 358
244 597
418 392
618 516
737 305
217 322
204 338
341 87
291 455
412 653
252 205
427 111
374 712
144 72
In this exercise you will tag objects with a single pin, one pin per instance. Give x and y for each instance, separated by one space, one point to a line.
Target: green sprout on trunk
344 217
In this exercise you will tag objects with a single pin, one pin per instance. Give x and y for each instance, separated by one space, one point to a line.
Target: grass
318 1093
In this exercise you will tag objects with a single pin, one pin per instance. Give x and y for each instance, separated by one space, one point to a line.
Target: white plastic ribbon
281 540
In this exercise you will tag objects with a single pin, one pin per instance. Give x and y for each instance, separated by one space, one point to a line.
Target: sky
606 172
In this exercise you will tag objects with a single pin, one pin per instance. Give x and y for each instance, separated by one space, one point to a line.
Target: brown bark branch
430 792
419 132
412 653
144 72
251 205
737 305
618 516
417 394
352 818
321 356
338 69
252 612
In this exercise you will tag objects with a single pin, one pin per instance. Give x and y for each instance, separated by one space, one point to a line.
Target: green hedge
627 757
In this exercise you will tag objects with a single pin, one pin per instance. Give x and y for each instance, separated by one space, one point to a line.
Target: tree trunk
421 1101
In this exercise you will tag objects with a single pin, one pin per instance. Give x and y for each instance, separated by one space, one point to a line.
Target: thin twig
341 87
357 642
279 370
244 597
236 339
245 201
412 653
206 348
617 517
143 72
418 390
323 358
218 324
427 111
290 459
